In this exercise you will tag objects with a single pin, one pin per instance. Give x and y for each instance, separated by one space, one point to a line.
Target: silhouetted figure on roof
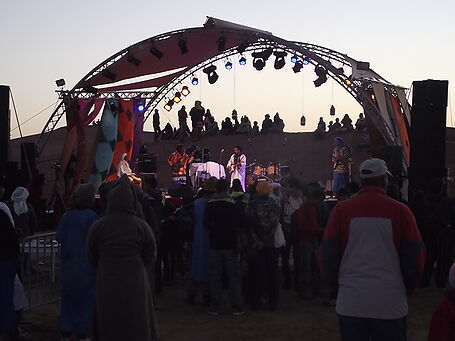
320 130
346 123
360 124
337 126
226 126
197 115
156 124
267 124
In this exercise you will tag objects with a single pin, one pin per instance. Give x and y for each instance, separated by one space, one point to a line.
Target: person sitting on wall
337 126
124 168
360 124
347 123
320 130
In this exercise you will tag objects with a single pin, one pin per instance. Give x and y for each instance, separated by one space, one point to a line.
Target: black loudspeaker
4 128
428 132
28 157
205 155
146 163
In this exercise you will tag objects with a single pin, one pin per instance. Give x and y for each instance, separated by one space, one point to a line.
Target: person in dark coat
77 276
123 248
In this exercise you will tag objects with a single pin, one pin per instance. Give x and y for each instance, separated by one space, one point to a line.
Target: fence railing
39 268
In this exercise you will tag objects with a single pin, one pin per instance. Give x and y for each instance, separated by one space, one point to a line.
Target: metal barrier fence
39 268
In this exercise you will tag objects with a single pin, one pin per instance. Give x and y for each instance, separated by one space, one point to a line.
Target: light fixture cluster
177 97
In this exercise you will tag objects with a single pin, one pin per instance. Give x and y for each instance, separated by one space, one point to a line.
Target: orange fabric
175 159
401 126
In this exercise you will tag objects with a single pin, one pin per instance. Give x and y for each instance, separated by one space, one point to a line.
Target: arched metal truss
354 76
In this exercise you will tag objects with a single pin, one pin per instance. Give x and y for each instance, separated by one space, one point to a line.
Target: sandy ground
296 319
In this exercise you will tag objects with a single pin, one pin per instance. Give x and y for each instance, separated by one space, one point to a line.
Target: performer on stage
237 166
341 158
179 161
124 168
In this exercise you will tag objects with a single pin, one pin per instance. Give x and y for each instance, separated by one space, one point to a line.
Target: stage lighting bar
211 73
154 51
279 60
109 74
185 91
228 65
133 60
221 42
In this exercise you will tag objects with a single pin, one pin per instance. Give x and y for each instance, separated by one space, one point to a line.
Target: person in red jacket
372 250
442 326
309 233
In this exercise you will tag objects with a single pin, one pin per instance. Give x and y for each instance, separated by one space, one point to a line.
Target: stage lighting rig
259 58
195 81
306 61
60 82
242 60
182 45
185 91
140 104
321 72
297 66
228 65
211 73
279 60
294 59
154 51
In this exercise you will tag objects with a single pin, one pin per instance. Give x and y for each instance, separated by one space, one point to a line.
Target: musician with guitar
237 166
179 161
341 160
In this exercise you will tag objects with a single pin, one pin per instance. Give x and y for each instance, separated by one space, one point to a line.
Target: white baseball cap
372 168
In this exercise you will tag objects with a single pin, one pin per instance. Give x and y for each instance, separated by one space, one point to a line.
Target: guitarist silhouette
178 161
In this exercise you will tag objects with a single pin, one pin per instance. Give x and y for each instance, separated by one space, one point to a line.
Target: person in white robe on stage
237 166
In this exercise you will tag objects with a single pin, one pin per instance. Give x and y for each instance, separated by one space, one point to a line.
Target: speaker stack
428 132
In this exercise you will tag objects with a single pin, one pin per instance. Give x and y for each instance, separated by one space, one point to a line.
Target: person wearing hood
23 213
77 275
442 326
123 248
263 213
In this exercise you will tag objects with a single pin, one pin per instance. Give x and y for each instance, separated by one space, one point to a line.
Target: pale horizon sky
404 41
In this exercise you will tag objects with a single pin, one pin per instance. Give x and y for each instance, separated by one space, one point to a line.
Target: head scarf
83 197
19 198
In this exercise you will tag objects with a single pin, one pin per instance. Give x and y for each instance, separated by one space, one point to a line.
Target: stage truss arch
110 78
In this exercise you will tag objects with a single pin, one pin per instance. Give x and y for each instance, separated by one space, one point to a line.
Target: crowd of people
203 123
338 127
364 253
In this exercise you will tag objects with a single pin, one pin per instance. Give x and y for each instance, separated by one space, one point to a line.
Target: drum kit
273 172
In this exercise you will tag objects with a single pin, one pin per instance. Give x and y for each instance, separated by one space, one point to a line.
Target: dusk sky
41 41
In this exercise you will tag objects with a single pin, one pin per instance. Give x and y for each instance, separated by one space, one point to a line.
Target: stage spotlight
258 60
211 73
195 81
297 66
279 61
169 105
140 107
242 61
347 81
177 97
228 65
243 46
294 59
305 61
60 82
221 42
154 50
185 91
133 60
182 45
321 72
109 74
